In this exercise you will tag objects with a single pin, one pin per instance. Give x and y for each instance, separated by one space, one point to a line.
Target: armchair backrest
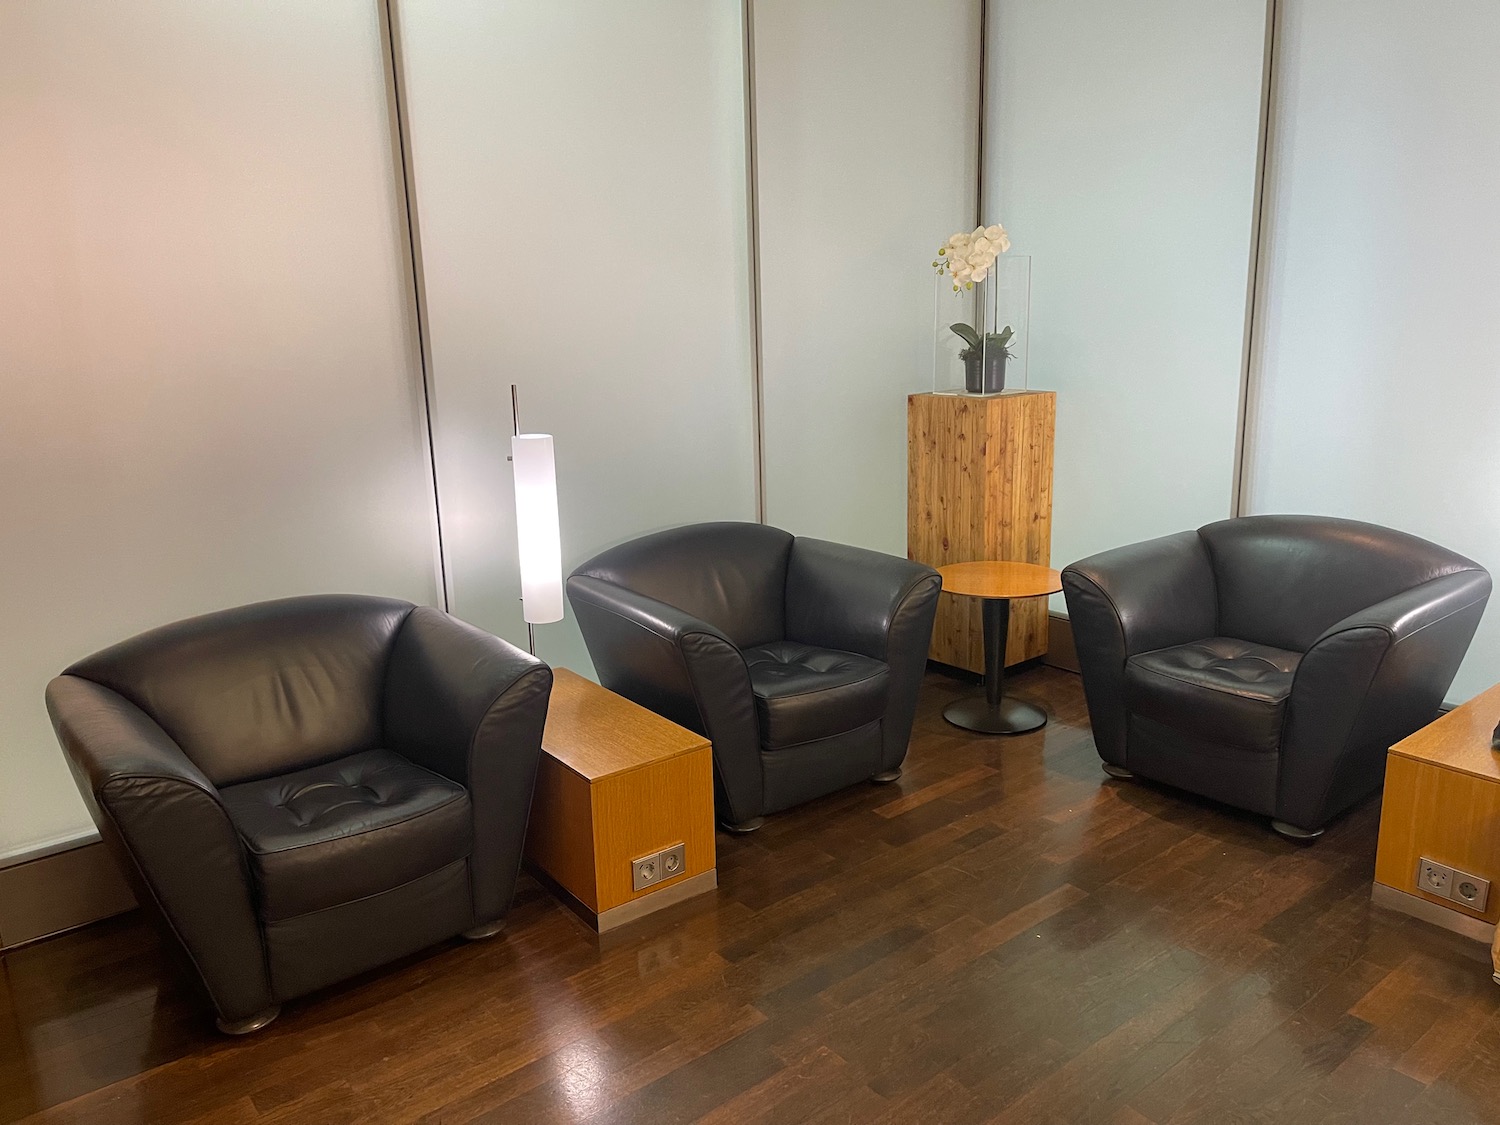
262 689
1283 580
731 575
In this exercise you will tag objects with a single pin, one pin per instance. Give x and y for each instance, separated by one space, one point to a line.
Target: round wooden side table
997 583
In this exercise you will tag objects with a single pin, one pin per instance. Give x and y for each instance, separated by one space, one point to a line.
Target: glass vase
980 337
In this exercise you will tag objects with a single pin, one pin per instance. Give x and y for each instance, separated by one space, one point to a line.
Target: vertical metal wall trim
984 98
1260 244
752 209
390 30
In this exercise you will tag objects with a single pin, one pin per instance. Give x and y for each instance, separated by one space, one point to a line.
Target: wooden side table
1442 802
997 583
617 784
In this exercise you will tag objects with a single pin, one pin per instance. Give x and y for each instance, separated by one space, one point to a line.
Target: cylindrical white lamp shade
538 541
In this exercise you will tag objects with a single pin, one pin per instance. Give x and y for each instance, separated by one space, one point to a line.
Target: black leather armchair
302 790
799 659
1270 661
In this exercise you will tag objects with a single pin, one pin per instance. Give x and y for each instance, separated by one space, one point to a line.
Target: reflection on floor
1002 936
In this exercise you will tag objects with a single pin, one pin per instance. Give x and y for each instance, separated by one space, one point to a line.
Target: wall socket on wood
1448 882
649 870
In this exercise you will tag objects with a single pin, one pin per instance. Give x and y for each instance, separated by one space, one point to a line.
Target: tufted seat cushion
803 693
1222 690
347 829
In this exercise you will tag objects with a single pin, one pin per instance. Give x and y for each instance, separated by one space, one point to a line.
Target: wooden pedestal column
979 487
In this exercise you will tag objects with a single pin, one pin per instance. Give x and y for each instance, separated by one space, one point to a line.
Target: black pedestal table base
994 714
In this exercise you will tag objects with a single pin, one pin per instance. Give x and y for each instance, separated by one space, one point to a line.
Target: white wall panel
1379 391
209 382
867 120
1121 154
580 184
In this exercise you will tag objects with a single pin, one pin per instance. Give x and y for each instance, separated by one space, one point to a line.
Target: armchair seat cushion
804 693
347 829
1220 689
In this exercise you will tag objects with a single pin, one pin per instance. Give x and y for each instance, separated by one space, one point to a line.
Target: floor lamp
538 538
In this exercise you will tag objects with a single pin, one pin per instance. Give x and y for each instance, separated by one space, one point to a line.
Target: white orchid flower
968 256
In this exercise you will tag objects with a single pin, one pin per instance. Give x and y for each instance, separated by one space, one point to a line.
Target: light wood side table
1442 802
616 784
995 584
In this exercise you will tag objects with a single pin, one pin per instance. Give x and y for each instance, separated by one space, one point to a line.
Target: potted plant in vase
967 258
984 358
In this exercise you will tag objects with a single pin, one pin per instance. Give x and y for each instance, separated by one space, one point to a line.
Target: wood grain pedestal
617 783
979 486
1442 802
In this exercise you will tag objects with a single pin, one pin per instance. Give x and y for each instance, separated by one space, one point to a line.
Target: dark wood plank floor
1004 936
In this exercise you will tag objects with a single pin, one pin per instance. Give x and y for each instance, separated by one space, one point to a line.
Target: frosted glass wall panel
581 189
210 387
1121 154
1380 387
867 118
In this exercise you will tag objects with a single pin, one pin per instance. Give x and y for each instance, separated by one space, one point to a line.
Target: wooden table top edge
1459 740
676 741
977 583
636 767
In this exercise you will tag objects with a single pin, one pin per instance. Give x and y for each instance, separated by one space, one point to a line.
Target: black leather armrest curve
472 707
850 598
1366 683
681 668
1129 600
1407 613
165 824
877 605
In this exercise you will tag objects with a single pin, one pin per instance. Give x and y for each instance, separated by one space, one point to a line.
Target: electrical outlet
1470 890
645 872
673 861
1459 886
1433 877
649 870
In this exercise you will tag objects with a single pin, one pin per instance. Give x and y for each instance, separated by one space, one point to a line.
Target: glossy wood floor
1003 936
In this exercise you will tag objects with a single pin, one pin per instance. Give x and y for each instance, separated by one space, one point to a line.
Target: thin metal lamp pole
515 430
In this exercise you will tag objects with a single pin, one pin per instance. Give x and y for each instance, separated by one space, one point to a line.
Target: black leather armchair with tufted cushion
1270 661
302 790
800 660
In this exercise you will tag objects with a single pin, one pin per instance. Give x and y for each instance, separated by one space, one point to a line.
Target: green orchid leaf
968 334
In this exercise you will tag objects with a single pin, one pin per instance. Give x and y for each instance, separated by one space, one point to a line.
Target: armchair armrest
1366 683
681 668
874 604
852 599
163 821
1130 600
1404 615
472 707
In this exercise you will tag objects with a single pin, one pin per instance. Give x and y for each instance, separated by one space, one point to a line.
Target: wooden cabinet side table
618 783
1442 802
